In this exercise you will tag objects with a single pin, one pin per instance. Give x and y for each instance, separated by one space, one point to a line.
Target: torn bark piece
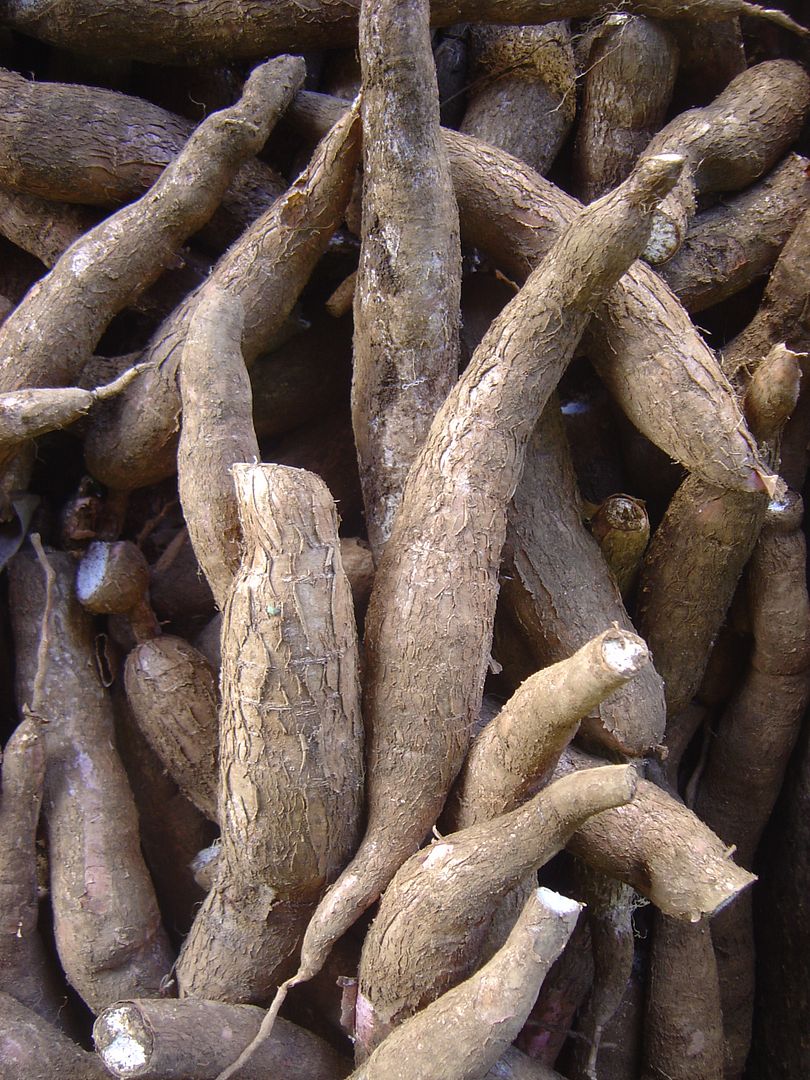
484 1020
291 767
629 72
107 923
134 443
406 302
729 143
522 94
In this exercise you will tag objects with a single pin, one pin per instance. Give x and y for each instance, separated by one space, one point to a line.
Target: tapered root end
658 174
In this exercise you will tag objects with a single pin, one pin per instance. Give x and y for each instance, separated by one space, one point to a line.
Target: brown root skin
712 53
517 1066
172 693
713 532
406 303
728 144
447 542
522 90
53 332
773 393
217 432
290 709
450 891
172 830
783 315
622 529
167 33
83 144
194 1039
27 414
561 995
133 443
683 1029
486 1012
610 905
112 577
661 848
107 923
445 549
627 86
25 970
30 1047
557 587
757 732
46 229
521 745
738 241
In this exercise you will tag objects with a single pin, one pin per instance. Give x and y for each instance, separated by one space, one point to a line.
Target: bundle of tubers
406 639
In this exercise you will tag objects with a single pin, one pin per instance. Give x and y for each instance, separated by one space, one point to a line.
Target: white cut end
121 1051
92 570
665 239
557 903
625 654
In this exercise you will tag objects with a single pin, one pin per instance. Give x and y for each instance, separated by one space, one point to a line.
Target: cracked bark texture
291 769
436 586
430 927
187 32
408 293
640 339
106 918
522 94
486 1012
738 241
134 443
729 143
84 144
627 82
557 587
